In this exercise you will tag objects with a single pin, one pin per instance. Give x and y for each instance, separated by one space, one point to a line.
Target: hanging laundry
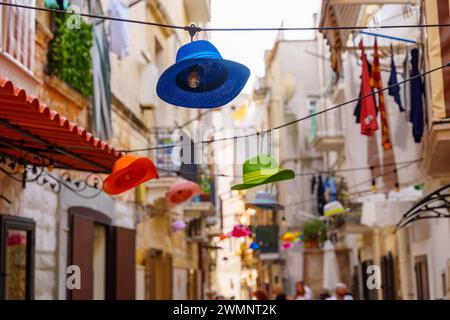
320 196
376 83
313 129
77 3
395 90
405 85
57 4
357 112
368 115
332 187
326 188
101 71
416 87
313 184
118 30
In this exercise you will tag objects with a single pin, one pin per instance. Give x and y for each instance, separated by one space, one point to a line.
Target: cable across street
373 93
194 29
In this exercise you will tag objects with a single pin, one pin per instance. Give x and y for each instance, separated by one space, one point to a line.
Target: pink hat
178 225
182 190
287 245
240 231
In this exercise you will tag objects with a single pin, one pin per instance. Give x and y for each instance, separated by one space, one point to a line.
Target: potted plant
205 185
314 233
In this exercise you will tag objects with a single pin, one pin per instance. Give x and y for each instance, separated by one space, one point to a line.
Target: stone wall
39 204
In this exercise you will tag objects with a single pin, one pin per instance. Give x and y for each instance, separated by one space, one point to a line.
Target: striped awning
32 132
335 14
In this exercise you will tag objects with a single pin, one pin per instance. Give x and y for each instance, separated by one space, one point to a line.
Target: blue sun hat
254 245
264 200
201 78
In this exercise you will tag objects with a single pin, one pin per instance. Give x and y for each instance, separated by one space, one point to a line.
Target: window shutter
124 260
82 238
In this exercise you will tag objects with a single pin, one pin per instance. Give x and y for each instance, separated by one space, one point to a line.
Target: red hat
182 190
128 172
223 236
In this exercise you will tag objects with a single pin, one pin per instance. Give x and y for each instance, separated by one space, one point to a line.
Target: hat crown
198 49
261 165
178 225
124 162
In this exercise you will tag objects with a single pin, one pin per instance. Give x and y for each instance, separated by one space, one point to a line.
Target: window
422 285
17 27
16 258
99 262
195 228
105 255
164 160
388 280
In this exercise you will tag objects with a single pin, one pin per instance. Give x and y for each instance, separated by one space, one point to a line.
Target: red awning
32 131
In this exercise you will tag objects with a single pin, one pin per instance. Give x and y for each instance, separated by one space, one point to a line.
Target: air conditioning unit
148 98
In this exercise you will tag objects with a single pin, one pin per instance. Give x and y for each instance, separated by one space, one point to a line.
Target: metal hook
192 29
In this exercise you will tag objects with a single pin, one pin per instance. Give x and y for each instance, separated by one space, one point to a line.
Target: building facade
119 243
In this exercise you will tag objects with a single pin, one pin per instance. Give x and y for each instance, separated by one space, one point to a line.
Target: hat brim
168 90
279 176
266 206
110 184
192 187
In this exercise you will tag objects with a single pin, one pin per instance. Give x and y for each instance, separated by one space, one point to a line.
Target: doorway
422 285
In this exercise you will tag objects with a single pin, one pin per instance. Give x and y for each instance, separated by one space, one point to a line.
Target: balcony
329 141
437 150
198 10
199 208
18 46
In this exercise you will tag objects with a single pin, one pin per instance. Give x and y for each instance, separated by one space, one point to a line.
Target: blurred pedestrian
278 294
260 294
302 292
341 293
211 295
324 295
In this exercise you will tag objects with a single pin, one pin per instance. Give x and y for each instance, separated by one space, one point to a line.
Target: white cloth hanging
118 31
330 267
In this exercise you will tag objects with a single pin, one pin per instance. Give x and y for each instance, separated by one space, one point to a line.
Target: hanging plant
69 54
314 233
205 185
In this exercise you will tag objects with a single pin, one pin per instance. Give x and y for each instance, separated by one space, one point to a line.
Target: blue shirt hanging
416 86
320 196
395 90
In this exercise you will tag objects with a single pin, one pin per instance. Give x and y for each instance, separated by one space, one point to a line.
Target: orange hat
182 190
128 172
223 236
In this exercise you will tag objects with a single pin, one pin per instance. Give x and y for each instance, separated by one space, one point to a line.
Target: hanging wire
195 29
198 29
298 174
268 131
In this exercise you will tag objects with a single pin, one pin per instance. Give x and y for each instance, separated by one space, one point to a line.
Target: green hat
260 170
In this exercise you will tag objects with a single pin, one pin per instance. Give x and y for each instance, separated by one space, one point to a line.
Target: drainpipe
404 258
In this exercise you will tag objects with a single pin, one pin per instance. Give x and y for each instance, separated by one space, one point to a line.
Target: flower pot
205 197
312 244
